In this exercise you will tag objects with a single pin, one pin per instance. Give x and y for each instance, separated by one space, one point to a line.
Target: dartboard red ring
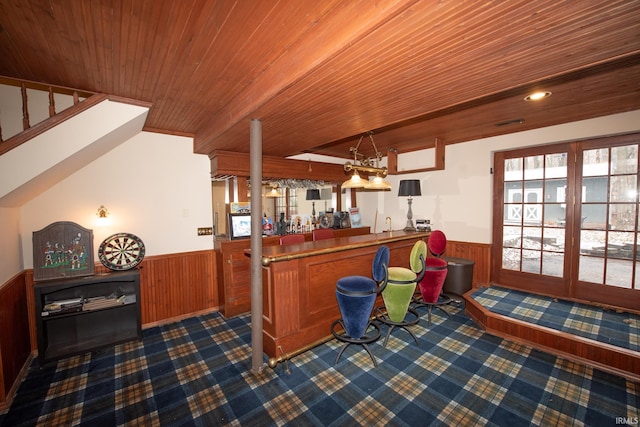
121 251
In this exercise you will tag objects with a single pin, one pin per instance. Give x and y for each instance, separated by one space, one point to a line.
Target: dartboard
121 251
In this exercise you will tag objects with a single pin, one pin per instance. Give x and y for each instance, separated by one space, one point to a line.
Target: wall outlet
205 231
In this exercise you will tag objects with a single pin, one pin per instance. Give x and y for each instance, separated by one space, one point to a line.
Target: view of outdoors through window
535 212
287 203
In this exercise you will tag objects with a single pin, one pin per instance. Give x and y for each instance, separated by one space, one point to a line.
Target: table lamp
313 195
410 188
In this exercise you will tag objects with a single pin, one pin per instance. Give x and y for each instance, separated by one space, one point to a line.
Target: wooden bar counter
299 285
233 269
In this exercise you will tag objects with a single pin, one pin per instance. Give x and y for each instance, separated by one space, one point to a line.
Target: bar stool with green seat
356 297
398 293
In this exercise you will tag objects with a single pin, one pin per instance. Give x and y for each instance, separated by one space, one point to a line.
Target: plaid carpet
196 373
617 328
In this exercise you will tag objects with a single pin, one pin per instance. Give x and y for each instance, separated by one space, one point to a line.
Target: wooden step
606 357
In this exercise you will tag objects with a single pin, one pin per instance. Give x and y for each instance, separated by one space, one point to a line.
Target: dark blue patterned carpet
196 373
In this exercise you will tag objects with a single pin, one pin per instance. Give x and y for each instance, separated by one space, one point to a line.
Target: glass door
566 220
607 267
533 224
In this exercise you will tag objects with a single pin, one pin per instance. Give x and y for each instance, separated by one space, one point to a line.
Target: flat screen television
239 225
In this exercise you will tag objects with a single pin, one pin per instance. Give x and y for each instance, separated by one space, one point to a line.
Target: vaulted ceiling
321 73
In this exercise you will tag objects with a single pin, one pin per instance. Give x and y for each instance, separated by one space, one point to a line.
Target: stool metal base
456 300
381 316
442 300
363 341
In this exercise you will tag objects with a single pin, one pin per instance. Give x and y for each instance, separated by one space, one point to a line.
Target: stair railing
51 89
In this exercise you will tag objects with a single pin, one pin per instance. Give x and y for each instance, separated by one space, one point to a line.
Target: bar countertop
278 253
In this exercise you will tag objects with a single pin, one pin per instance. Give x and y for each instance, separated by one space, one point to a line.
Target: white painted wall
10 243
153 185
49 157
458 200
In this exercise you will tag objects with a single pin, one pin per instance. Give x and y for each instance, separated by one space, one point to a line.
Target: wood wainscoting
172 286
15 349
480 253
178 285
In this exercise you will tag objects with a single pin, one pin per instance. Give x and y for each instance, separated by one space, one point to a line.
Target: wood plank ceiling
321 73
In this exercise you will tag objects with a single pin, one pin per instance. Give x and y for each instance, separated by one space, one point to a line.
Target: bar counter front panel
233 269
299 285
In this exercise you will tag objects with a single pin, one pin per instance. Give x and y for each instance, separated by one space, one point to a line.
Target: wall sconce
410 188
362 163
103 215
102 212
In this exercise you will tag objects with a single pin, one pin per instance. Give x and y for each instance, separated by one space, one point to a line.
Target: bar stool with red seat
322 234
436 270
291 239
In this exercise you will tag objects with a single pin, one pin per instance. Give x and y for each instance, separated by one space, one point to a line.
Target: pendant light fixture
366 164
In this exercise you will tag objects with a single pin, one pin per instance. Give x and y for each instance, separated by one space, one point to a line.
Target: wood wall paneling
480 253
176 285
15 349
171 287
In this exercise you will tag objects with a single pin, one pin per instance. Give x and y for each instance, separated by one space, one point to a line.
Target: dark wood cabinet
74 316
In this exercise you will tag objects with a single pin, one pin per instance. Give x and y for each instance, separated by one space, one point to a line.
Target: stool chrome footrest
382 317
363 341
442 300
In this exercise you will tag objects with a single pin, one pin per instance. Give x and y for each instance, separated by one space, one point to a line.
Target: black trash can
459 276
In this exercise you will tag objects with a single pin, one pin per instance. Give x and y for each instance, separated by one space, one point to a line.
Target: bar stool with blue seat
398 293
356 297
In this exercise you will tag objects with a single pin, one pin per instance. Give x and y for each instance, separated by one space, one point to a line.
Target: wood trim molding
392 160
50 123
30 84
224 163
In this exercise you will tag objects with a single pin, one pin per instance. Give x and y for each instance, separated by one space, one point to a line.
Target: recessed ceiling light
536 96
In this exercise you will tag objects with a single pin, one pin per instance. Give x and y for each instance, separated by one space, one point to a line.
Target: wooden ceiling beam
225 163
347 24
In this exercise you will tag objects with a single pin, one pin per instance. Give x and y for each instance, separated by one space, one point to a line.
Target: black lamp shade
313 194
409 187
